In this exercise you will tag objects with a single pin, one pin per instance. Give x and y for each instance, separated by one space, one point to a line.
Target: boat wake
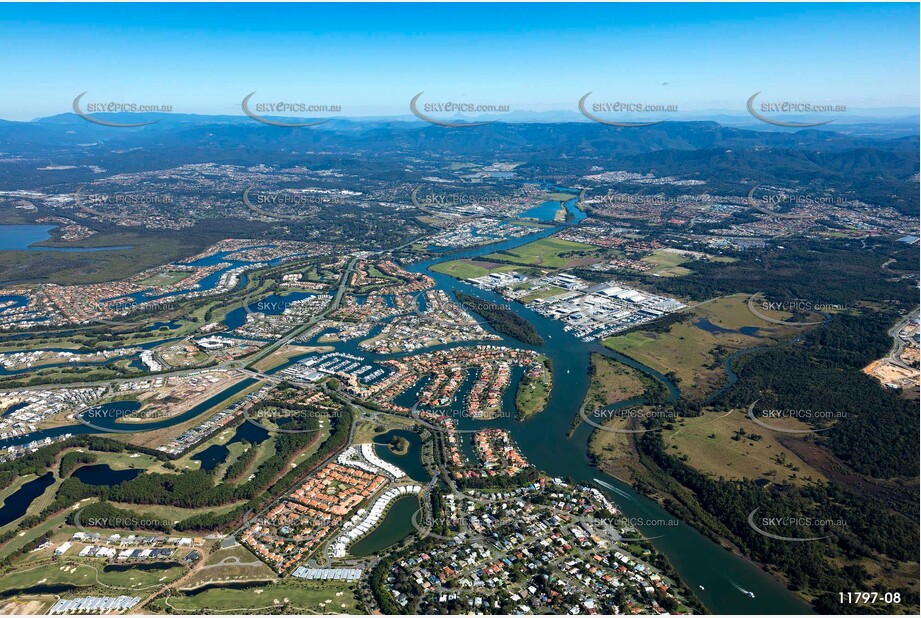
617 491
741 589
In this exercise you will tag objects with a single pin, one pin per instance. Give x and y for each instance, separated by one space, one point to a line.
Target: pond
103 474
16 505
411 462
396 526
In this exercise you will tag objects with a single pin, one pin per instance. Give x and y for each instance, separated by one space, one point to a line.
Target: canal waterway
717 576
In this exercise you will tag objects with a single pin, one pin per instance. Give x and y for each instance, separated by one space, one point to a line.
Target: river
716 575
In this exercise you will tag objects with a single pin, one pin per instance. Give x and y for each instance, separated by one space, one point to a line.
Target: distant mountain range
880 168
68 130
881 122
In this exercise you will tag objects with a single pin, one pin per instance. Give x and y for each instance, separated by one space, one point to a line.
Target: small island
504 321
534 389
399 445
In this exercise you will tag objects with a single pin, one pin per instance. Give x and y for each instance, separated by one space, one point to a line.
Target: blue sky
372 58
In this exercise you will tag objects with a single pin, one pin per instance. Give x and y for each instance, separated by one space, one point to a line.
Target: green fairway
295 596
48 575
90 573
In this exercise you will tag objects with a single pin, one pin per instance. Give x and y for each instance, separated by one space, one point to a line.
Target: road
899 344
291 335
232 364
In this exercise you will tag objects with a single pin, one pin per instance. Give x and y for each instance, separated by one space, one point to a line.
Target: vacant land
467 269
286 353
612 382
366 430
667 264
546 252
547 292
169 277
559 196
696 350
614 451
235 564
157 437
26 607
732 446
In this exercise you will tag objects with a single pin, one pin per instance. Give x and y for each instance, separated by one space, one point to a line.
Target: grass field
546 292
690 351
301 597
614 452
711 443
49 574
546 252
533 224
667 264
533 394
18 482
23 538
558 197
319 438
187 463
37 505
139 579
466 269
234 451
366 430
235 564
726 312
708 443
686 353
532 398
175 513
285 353
611 382
124 461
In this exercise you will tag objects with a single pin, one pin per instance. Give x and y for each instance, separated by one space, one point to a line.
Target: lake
396 526
16 505
103 474
22 237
